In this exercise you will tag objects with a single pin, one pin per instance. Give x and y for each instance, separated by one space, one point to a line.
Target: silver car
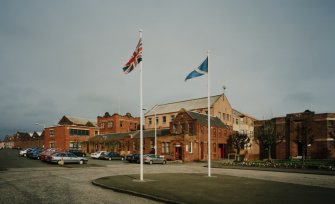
154 159
66 157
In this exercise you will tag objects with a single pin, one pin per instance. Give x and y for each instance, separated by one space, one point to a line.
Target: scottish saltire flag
199 71
135 59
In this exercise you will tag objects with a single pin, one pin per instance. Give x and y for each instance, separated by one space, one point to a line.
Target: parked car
66 157
96 155
133 158
34 153
112 156
44 155
154 159
77 152
23 152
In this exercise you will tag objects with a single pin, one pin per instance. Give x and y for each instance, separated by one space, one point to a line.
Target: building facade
160 116
185 139
117 123
71 133
244 124
302 133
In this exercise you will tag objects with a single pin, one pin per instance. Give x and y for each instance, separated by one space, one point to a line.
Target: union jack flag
135 59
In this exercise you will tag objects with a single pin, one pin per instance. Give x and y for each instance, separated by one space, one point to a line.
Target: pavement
219 188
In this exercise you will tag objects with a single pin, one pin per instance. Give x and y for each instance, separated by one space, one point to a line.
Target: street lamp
155 130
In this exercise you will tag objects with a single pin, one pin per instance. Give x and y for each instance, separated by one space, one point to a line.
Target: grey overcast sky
65 57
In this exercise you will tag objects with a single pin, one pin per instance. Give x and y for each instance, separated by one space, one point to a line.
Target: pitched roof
188 105
203 119
77 121
240 114
133 134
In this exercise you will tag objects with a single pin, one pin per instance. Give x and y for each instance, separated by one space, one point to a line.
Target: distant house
71 133
27 140
117 123
185 139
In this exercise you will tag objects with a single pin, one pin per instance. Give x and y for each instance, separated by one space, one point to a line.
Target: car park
96 155
66 157
112 156
154 159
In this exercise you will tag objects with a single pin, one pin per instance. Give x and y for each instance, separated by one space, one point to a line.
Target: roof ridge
187 100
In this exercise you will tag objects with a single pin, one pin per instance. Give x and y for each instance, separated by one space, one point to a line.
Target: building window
165 147
190 147
157 120
174 129
96 132
134 146
164 119
150 121
52 145
75 145
51 132
79 132
102 125
110 124
151 144
121 123
183 127
190 129
172 118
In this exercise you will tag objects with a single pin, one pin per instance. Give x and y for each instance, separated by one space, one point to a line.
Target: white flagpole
141 118
209 119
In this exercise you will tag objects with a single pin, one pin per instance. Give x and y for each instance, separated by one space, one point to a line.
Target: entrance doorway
221 151
178 153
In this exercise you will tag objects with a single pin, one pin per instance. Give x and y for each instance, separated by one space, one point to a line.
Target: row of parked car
53 155
132 158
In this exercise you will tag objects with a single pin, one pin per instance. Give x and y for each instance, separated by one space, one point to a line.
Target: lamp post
39 137
155 133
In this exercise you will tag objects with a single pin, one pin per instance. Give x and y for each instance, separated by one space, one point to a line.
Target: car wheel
164 162
109 158
24 155
150 162
138 161
81 161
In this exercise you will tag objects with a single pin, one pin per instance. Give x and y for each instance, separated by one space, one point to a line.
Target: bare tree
238 141
304 136
268 135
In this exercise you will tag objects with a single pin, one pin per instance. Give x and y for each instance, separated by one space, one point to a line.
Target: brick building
117 123
165 113
71 133
302 130
185 139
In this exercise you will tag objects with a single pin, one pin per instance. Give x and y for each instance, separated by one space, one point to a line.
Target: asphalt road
32 181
